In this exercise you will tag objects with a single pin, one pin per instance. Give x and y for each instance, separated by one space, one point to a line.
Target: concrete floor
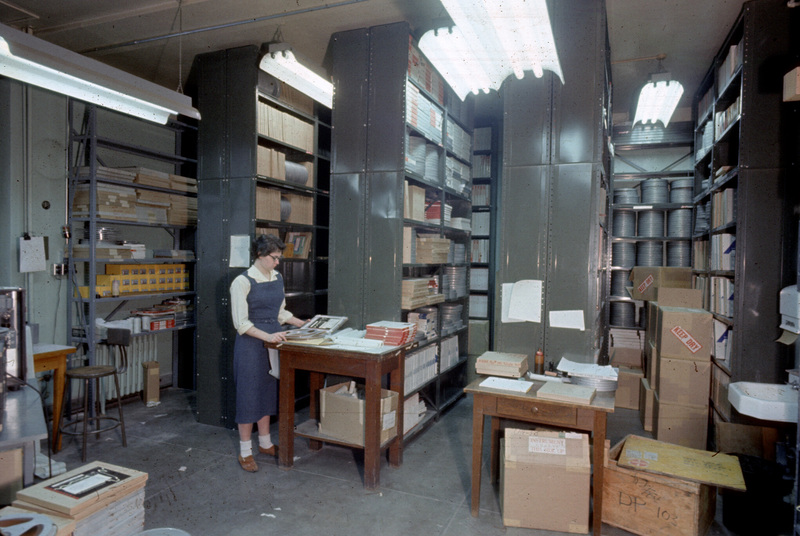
195 482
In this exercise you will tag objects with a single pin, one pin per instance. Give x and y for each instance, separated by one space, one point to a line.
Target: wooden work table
54 357
527 407
369 364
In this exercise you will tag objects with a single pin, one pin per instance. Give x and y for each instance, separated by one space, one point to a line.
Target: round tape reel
27 524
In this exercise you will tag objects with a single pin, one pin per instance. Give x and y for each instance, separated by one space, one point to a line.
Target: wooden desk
528 407
54 357
371 365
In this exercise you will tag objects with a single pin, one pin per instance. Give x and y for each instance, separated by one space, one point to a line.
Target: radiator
142 348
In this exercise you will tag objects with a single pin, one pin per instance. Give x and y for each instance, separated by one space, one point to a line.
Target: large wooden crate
650 504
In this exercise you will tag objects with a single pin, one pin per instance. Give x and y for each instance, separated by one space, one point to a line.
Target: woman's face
271 260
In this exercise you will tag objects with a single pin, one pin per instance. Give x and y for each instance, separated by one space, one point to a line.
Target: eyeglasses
274 257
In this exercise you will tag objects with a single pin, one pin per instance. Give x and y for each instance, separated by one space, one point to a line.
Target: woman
258 308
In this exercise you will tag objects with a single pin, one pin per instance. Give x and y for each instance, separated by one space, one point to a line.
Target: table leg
59 375
286 411
315 382
599 443
477 455
372 428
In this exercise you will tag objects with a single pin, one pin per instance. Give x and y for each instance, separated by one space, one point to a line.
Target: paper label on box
547 445
646 283
389 420
686 338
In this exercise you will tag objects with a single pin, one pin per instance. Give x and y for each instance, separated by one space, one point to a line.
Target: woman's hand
280 336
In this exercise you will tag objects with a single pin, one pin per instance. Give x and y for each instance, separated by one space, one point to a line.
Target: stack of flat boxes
676 387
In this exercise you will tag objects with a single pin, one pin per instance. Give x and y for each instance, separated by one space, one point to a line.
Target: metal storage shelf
367 237
85 146
233 95
748 152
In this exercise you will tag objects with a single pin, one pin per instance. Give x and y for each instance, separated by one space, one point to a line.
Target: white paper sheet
526 300
567 319
590 370
507 384
31 254
240 252
505 298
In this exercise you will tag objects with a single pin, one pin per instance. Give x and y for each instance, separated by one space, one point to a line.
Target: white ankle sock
245 448
264 441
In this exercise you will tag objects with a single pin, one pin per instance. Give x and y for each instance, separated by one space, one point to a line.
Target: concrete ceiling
157 39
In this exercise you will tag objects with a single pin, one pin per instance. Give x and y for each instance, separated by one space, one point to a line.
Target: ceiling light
490 40
34 61
658 99
281 63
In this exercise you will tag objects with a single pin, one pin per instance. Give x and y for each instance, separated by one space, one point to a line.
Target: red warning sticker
686 338
646 283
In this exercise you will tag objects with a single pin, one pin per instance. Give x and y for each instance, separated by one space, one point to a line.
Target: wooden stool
117 339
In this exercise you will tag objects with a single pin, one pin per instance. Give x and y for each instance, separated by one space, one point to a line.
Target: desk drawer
537 412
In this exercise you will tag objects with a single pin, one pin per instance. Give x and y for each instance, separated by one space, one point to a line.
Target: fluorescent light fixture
34 61
658 100
281 63
492 39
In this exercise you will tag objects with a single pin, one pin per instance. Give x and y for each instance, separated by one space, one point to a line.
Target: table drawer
541 412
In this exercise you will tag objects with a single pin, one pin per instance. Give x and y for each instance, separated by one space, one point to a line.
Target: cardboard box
628 357
342 415
151 382
720 380
647 279
10 474
544 480
791 85
680 297
651 321
628 382
650 504
751 440
646 405
681 425
650 364
684 333
683 382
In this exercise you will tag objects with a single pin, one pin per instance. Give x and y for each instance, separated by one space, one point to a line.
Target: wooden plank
682 462
566 392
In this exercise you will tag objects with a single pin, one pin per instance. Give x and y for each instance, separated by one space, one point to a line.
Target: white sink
767 401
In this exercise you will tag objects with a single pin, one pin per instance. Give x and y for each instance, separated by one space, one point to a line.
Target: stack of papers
100 498
502 364
391 333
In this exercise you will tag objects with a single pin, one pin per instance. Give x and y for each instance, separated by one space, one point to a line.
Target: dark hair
265 244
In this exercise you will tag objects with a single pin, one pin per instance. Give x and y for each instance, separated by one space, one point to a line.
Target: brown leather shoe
272 451
248 464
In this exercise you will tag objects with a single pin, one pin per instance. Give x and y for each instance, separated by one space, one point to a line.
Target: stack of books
416 291
182 210
107 173
502 364
414 410
391 333
432 249
100 497
434 214
112 202
151 177
182 184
